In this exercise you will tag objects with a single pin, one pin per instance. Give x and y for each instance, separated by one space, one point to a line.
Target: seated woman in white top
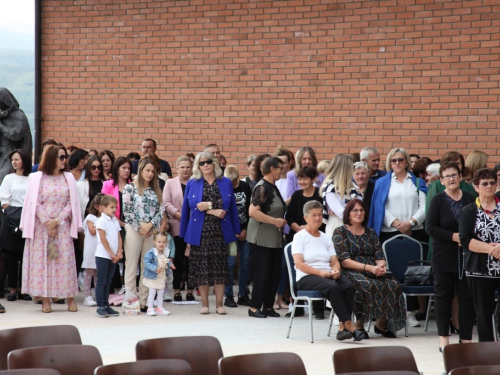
317 268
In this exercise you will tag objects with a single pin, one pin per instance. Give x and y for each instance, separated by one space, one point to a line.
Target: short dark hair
151 140
414 156
497 167
258 161
308 172
25 158
49 163
420 166
452 156
133 155
484 174
350 206
116 166
211 145
75 157
271 162
49 142
448 165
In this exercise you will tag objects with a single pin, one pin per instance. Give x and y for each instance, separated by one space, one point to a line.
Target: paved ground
116 337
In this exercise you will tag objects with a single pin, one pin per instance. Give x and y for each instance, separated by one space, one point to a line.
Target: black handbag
12 217
419 272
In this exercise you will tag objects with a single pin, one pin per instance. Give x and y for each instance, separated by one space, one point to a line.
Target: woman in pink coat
50 219
173 197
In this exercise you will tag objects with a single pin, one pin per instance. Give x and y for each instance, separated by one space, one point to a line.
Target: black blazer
367 198
440 224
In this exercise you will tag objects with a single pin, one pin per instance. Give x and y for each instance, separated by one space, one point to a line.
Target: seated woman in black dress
317 268
363 263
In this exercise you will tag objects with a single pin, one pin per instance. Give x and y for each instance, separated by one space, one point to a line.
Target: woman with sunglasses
479 233
398 207
51 217
92 185
209 223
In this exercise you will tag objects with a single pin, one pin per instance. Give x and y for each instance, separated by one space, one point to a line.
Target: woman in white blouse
12 194
398 205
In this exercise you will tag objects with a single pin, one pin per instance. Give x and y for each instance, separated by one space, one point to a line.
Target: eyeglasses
208 162
358 211
397 160
63 157
451 176
486 183
95 167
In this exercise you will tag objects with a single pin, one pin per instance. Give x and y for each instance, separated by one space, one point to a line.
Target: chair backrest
399 251
382 373
29 337
201 352
289 264
67 359
31 371
262 364
147 367
383 358
477 370
471 354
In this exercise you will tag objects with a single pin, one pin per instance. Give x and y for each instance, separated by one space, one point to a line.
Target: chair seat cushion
310 294
417 289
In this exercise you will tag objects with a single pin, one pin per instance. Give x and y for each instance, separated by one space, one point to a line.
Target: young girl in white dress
89 247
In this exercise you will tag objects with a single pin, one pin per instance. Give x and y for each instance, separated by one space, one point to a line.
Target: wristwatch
412 222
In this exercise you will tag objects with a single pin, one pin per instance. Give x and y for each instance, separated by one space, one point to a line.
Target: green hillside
17 73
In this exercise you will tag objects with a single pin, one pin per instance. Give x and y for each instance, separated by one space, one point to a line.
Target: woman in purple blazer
209 222
173 197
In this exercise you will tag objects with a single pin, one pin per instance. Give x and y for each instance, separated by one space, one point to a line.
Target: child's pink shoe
151 311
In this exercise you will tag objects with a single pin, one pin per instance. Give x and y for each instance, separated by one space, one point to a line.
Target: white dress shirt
403 203
13 190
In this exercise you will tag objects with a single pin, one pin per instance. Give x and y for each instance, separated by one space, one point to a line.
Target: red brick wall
333 74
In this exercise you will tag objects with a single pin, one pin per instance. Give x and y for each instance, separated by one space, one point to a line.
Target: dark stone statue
14 130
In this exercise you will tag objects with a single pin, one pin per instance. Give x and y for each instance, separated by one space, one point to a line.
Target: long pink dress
43 277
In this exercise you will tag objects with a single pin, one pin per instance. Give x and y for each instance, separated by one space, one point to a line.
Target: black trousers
445 284
181 263
266 275
483 293
339 292
14 263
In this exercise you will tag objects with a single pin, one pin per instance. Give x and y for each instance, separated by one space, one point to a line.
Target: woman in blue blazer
209 222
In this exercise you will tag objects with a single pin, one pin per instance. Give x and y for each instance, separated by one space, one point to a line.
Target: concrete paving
239 334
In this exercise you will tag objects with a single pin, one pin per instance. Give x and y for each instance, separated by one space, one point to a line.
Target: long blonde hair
476 160
340 174
153 184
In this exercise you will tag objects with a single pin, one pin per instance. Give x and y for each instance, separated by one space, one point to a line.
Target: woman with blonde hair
209 223
305 157
143 211
475 161
337 190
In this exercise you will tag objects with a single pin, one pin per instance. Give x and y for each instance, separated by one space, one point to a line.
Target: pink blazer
172 200
108 188
29 209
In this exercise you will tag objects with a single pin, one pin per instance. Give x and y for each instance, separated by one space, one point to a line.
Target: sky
17 16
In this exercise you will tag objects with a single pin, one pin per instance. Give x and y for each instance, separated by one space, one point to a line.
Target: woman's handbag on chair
419 272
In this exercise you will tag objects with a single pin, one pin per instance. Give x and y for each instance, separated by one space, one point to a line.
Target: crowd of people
113 221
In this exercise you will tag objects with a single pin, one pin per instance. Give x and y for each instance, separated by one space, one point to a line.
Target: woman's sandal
73 307
386 333
46 309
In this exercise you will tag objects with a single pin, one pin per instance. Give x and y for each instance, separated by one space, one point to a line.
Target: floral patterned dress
208 262
43 277
374 298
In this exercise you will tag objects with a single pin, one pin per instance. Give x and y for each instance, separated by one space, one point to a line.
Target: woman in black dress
363 263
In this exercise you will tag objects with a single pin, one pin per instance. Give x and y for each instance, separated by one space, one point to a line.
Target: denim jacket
151 263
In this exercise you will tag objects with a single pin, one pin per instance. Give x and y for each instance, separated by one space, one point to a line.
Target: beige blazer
172 200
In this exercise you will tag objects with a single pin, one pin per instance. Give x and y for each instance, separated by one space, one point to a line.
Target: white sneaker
89 301
336 321
122 290
151 311
412 321
162 311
